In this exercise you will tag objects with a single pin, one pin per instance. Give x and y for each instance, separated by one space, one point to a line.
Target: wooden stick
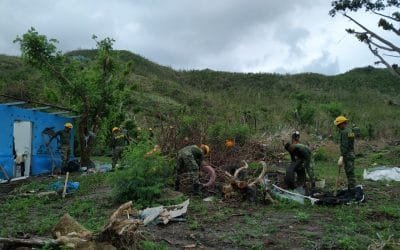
65 185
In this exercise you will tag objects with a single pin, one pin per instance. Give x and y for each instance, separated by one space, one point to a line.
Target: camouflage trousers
349 169
185 163
299 168
309 166
116 155
65 152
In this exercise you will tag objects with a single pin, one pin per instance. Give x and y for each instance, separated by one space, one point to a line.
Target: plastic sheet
382 173
59 185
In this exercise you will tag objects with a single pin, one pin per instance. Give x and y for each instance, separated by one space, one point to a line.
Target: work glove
340 161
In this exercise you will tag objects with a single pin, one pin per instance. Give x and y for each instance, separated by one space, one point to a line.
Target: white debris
382 173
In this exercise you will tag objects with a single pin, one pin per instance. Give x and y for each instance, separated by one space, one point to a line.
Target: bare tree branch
386 16
383 47
382 60
391 55
373 34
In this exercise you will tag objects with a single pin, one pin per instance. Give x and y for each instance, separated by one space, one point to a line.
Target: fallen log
122 230
245 187
12 242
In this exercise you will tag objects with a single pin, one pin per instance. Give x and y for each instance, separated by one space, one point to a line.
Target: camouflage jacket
192 150
301 152
64 137
119 139
347 142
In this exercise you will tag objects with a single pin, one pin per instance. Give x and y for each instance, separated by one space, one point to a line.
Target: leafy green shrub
321 155
143 177
305 114
334 109
218 133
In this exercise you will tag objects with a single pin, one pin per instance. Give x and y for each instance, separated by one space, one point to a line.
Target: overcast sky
283 36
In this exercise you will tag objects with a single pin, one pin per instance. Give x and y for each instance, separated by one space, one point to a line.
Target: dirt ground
220 225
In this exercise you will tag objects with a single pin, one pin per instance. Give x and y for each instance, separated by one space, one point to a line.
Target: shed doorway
22 148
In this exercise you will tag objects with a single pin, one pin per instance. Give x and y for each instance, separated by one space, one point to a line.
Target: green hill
267 103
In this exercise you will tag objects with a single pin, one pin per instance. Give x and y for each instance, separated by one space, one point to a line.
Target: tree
379 46
93 90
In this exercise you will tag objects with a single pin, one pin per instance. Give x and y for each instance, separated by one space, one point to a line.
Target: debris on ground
27 241
102 167
290 195
58 186
382 173
38 194
210 198
240 185
342 196
70 233
122 228
13 179
164 214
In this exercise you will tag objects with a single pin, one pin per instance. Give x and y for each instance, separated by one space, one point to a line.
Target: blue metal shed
23 133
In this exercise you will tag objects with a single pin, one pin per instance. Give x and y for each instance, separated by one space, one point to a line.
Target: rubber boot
177 184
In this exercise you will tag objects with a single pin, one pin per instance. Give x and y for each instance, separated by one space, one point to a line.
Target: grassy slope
225 225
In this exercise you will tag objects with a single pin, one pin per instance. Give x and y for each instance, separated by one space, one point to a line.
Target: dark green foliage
334 109
305 114
91 89
220 132
192 101
320 155
142 178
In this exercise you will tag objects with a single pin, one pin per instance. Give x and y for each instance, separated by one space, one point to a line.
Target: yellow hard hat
340 119
229 143
114 129
68 125
205 148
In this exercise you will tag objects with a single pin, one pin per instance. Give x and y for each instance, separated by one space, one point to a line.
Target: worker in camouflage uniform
346 139
64 142
300 155
189 160
118 144
296 137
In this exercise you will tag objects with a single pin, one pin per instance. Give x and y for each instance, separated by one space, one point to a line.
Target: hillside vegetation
196 100
213 106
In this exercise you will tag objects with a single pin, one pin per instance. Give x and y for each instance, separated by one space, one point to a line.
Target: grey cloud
232 35
292 37
324 65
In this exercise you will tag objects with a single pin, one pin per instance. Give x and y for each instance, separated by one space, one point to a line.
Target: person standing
118 143
296 137
346 140
65 146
